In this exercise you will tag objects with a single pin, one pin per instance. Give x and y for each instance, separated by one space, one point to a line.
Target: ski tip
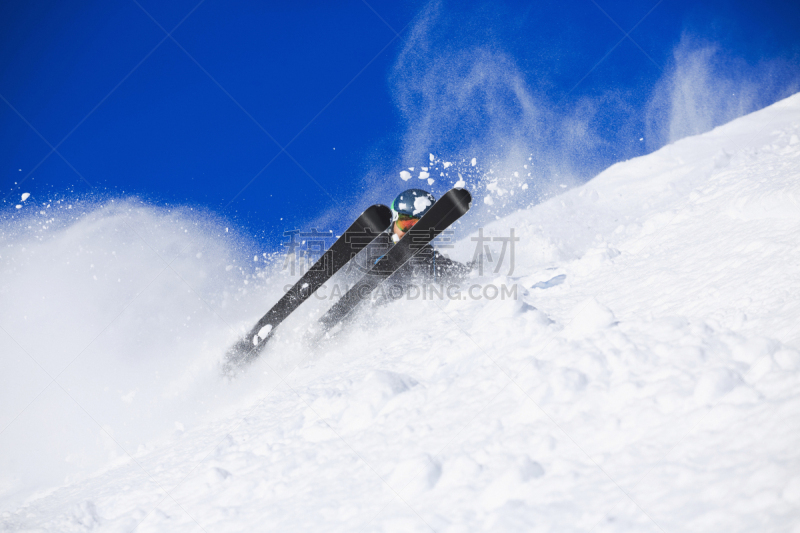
378 216
461 197
459 192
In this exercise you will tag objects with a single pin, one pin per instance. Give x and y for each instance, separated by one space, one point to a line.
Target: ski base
361 233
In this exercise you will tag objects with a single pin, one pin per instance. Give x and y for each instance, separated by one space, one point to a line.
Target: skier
428 265
394 258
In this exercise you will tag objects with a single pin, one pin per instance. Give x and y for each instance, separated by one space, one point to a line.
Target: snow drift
646 379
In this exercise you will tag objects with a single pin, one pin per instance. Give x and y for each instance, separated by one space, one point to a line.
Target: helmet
413 202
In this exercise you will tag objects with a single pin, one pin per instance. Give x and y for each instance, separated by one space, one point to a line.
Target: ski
449 208
363 231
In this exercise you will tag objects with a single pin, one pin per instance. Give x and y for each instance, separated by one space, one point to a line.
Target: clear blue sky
262 111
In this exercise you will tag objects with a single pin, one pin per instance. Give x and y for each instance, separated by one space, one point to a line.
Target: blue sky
270 113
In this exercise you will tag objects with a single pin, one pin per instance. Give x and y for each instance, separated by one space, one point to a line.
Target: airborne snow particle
474 161
25 196
420 203
423 175
405 175
263 332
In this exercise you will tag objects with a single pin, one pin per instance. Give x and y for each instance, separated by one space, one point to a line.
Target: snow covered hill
646 379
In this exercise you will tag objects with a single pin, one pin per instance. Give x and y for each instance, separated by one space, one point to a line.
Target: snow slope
647 379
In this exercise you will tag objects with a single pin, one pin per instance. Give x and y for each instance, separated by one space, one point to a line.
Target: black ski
363 231
441 215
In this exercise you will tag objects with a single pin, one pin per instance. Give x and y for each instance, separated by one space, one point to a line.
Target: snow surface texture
648 378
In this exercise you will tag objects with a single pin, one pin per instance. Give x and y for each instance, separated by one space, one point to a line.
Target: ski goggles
405 222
